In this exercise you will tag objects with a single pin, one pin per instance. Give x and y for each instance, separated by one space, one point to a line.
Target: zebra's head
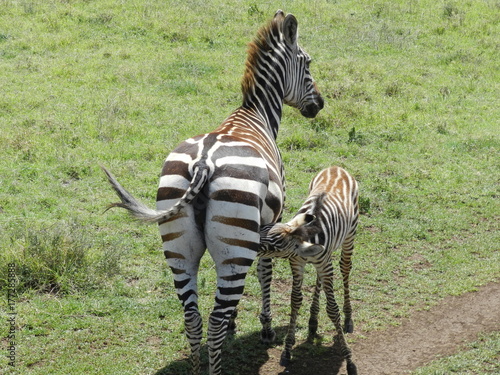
288 239
277 64
301 91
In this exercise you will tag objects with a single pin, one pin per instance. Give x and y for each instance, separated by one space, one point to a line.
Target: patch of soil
426 336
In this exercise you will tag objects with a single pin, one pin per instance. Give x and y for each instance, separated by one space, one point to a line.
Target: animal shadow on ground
246 355
241 355
312 357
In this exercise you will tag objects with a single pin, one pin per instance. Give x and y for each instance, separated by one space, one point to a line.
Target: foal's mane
314 227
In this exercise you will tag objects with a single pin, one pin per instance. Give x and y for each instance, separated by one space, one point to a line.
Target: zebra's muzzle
312 109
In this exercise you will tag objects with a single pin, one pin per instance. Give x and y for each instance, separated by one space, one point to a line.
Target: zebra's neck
265 97
263 83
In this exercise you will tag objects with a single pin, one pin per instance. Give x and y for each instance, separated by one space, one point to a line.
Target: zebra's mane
262 44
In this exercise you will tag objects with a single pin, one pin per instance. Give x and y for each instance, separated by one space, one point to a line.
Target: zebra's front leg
313 318
333 312
296 302
265 275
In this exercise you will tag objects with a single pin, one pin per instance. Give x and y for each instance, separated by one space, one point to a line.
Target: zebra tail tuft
145 214
137 209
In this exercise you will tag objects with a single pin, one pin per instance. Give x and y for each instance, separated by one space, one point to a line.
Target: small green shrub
356 137
393 89
364 205
299 142
450 10
58 259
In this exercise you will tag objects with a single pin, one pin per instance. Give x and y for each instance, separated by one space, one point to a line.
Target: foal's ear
308 219
299 221
290 26
279 13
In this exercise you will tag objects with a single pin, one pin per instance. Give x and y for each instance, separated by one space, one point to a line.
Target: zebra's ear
290 27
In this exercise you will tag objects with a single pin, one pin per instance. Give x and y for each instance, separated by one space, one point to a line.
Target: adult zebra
328 217
217 189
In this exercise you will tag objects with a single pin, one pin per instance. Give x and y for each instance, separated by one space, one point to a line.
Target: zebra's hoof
349 326
351 369
285 358
267 336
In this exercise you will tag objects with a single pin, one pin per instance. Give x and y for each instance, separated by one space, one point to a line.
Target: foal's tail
143 213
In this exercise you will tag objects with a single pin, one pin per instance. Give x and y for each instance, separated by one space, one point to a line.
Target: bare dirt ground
427 335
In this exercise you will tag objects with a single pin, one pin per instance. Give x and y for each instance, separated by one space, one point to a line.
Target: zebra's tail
143 213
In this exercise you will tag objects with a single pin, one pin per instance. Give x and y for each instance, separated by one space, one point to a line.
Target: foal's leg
333 312
313 318
296 301
345 269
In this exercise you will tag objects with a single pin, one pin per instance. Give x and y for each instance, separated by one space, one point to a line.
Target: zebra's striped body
333 201
217 189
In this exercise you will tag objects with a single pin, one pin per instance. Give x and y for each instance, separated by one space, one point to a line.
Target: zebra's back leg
265 274
345 268
231 275
333 312
296 301
313 317
184 259
232 241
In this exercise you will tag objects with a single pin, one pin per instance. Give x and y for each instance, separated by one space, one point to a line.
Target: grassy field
480 357
412 111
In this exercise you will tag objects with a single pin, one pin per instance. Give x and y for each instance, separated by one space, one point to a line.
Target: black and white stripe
216 190
333 203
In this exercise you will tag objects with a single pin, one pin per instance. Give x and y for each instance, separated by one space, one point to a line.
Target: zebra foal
332 214
217 189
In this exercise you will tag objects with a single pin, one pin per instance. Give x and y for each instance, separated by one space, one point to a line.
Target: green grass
479 357
411 91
